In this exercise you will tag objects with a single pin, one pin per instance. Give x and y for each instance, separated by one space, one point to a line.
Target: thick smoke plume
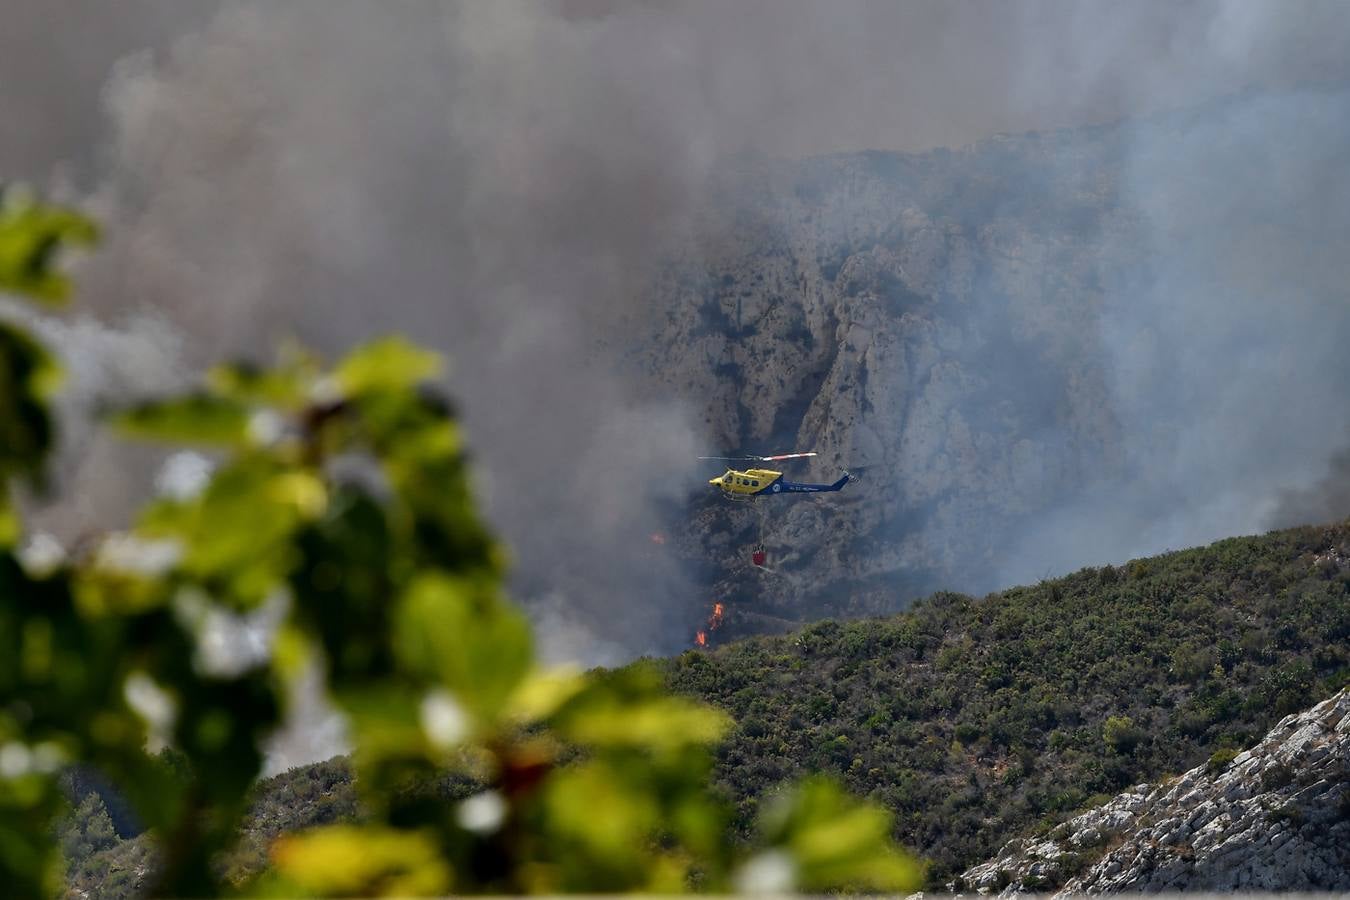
1224 349
502 179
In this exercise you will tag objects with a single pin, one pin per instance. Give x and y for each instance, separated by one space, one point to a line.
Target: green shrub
1121 734
1276 776
1220 759
1289 812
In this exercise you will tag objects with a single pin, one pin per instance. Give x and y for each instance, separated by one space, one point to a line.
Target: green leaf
31 234
194 419
110 591
593 812
238 534
659 723
456 630
384 718
27 377
11 526
284 387
351 860
28 858
389 364
543 692
837 842
631 709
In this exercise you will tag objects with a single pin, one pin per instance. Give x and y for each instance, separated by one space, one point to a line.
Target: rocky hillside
1272 818
1031 347
980 719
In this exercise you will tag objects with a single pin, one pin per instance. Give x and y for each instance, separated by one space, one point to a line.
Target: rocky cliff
922 321
1036 350
1273 818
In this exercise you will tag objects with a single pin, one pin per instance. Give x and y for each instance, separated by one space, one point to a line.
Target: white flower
41 555
325 391
229 643
48 758
770 872
15 760
149 701
184 475
444 721
18 759
128 553
265 427
482 813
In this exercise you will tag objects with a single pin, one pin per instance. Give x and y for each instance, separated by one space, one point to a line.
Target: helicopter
754 484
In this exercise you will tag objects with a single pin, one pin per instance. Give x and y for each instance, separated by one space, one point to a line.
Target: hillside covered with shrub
975 720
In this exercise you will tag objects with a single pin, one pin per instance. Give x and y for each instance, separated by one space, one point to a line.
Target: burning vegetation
714 622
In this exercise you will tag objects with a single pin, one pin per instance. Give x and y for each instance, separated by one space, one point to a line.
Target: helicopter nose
717 480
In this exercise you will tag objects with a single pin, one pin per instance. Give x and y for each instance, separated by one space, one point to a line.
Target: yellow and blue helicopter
753 484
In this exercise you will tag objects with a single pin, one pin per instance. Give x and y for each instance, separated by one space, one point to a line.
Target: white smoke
499 180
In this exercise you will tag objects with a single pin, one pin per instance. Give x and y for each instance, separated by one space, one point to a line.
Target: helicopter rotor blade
761 458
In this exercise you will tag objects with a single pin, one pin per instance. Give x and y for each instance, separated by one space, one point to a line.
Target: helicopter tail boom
792 487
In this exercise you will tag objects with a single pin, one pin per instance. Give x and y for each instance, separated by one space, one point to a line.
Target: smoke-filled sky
498 179
1224 348
789 77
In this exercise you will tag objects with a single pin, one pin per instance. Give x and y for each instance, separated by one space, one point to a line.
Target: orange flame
714 622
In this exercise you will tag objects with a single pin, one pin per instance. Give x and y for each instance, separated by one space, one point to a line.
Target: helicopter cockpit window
754 484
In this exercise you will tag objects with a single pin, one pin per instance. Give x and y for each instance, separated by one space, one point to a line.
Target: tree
1121 734
88 831
341 491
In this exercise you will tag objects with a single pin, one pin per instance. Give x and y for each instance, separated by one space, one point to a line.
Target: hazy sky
783 76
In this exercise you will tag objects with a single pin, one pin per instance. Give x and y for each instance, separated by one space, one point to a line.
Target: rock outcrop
944 350
1030 346
1274 818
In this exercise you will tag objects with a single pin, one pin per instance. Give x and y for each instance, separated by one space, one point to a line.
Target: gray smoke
1225 350
501 180
1326 500
55 56
337 172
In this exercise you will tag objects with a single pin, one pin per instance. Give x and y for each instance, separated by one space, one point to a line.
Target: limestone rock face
1034 350
945 351
1275 818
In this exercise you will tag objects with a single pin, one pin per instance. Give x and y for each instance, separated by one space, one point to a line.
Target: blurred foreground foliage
339 495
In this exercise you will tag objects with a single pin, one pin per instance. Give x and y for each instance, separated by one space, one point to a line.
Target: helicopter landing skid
739 498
